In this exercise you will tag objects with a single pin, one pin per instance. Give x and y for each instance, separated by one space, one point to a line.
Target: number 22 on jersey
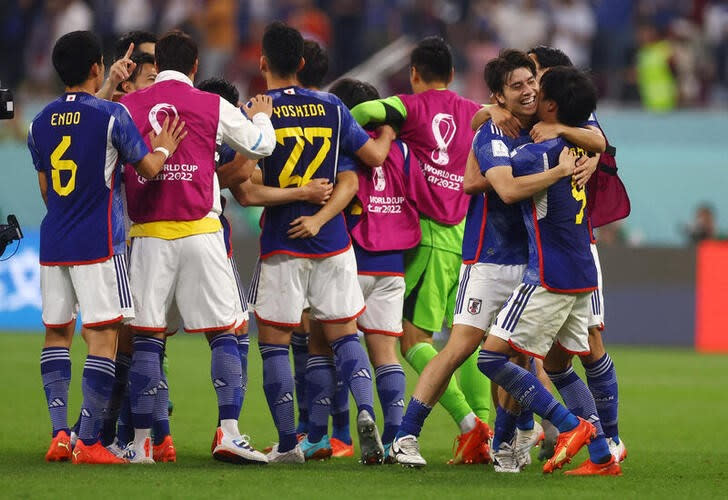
303 136
63 165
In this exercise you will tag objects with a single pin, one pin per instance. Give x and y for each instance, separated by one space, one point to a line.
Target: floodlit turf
673 416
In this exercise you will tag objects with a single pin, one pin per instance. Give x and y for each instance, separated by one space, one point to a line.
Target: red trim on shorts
573 353
211 329
343 320
169 334
108 221
306 255
63 325
240 328
76 263
476 258
369 331
102 323
379 273
599 327
152 329
523 351
275 323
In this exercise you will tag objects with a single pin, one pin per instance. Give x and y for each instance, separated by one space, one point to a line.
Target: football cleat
116 448
139 454
216 440
94 454
569 444
525 440
237 450
73 438
164 451
341 449
618 450
320 450
292 456
388 458
372 451
60 448
505 458
406 451
589 468
472 447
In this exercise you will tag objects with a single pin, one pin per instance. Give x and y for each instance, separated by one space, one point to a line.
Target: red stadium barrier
711 301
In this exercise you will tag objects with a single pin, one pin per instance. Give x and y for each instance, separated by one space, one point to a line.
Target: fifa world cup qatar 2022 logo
443 129
159 113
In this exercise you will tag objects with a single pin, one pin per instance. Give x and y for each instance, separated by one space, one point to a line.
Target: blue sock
353 364
524 421
226 374
505 427
144 376
97 383
124 426
414 418
340 411
55 370
299 348
118 392
391 387
160 424
602 380
320 386
278 387
525 388
243 348
580 402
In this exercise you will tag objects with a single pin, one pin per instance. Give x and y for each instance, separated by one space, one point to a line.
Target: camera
7 108
9 232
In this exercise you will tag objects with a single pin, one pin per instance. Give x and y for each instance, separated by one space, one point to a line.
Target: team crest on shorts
474 306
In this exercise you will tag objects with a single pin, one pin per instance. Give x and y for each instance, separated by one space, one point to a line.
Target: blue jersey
313 130
80 143
494 231
225 154
559 254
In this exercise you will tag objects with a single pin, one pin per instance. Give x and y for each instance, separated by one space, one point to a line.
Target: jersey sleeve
526 161
390 110
227 154
34 154
353 137
126 138
491 149
347 164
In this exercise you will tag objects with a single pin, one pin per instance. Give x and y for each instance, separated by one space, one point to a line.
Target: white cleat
618 451
139 454
116 449
372 451
73 438
294 456
406 451
237 450
525 440
505 458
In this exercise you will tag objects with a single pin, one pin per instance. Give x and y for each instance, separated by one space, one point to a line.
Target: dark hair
176 50
221 87
317 65
135 37
140 58
572 91
74 54
497 70
432 59
548 57
353 92
283 48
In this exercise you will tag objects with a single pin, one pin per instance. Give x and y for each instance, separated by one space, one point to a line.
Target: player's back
76 140
560 258
313 129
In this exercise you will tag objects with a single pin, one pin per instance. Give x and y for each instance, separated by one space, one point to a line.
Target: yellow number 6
60 165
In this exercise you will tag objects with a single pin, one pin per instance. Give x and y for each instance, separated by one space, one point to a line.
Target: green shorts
431 279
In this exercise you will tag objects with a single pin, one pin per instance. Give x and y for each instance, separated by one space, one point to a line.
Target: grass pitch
673 412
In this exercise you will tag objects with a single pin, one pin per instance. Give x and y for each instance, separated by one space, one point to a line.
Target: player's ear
263 64
126 87
499 98
195 68
301 64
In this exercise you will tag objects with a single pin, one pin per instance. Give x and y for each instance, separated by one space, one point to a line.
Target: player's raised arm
390 110
474 181
235 172
589 138
347 184
502 118
375 151
254 138
120 71
163 145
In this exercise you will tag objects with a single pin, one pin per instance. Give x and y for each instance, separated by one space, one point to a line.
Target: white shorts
194 272
534 318
285 282
596 309
482 291
384 298
100 290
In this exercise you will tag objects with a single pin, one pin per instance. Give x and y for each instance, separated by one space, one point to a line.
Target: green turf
673 414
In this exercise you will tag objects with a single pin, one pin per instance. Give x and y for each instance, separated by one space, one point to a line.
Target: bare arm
168 138
502 118
347 184
475 182
249 193
234 172
43 185
119 72
589 138
375 151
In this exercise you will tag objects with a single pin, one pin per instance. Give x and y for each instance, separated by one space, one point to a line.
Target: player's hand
170 136
504 120
585 168
259 104
567 162
305 226
122 69
545 131
318 191
386 131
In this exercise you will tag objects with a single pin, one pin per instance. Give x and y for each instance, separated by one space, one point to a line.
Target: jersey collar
170 74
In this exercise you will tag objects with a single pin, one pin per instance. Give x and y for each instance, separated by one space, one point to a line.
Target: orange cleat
589 468
472 447
60 448
568 444
94 454
216 439
165 452
340 449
